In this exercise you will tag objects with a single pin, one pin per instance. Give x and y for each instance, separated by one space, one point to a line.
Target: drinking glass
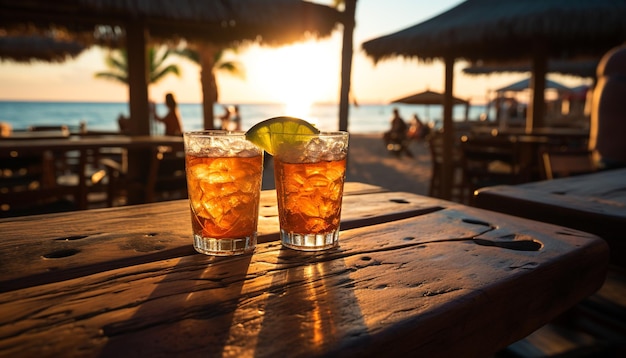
309 181
224 173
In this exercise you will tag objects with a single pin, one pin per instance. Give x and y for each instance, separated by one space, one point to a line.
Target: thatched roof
510 29
38 48
270 22
584 69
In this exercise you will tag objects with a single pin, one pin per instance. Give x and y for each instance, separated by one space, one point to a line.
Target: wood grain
420 285
62 246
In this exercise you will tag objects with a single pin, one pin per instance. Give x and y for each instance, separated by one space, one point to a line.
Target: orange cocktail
309 188
224 174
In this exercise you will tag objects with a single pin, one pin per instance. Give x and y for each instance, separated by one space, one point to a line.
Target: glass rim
322 133
214 132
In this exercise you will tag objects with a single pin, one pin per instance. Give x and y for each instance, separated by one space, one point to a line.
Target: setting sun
298 75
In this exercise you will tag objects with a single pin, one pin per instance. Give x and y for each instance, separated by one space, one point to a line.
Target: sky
297 75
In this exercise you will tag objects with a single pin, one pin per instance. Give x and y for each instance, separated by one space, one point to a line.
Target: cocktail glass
309 178
224 173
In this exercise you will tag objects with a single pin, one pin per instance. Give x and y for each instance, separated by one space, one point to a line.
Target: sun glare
298 76
298 107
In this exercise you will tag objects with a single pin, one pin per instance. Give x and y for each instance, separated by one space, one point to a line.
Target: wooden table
84 146
412 275
594 203
529 146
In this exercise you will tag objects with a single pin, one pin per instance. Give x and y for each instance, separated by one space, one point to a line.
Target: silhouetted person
224 118
417 129
235 118
172 118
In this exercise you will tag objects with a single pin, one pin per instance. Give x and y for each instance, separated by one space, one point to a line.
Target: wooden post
137 78
346 63
536 107
448 131
138 162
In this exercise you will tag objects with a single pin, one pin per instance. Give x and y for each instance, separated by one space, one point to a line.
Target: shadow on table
190 309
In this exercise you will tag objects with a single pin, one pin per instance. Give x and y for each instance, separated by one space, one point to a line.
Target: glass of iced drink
224 173
309 175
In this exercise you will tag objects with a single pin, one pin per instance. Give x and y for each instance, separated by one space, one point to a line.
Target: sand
370 162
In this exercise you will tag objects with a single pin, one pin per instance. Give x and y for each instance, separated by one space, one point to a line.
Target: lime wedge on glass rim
274 133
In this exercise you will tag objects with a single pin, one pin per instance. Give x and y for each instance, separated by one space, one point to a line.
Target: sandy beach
369 162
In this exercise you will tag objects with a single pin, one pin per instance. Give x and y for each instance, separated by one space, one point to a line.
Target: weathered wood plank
609 184
419 285
594 206
594 203
63 246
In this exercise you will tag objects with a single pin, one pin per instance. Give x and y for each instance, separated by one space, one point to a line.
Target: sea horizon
220 103
102 115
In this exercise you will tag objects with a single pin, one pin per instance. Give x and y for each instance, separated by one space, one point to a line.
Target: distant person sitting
172 118
396 137
124 123
235 119
417 129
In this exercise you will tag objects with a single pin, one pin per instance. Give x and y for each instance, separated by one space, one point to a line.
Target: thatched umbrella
429 98
132 23
38 48
510 30
272 22
507 30
524 84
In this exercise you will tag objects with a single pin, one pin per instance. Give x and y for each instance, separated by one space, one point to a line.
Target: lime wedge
279 132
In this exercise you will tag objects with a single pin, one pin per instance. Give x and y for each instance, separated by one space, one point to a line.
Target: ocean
102 116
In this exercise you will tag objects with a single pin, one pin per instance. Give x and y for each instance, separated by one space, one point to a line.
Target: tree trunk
208 82
346 62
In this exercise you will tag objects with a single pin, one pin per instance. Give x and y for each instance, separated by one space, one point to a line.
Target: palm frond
189 54
117 62
233 68
112 77
158 75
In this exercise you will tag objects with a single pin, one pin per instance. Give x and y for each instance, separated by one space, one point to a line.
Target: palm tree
117 61
349 23
210 59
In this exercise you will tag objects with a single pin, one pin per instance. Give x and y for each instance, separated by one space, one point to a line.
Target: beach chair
459 191
167 179
28 186
491 160
558 164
